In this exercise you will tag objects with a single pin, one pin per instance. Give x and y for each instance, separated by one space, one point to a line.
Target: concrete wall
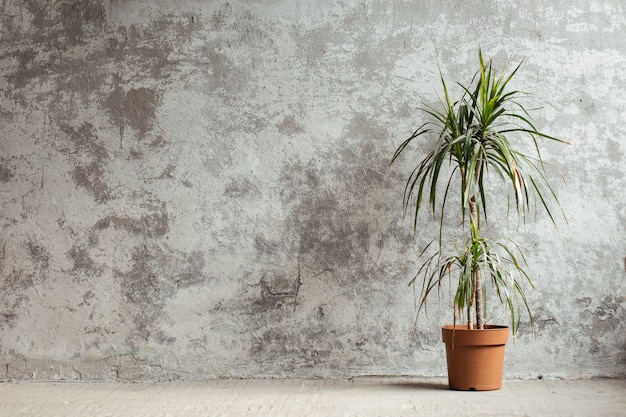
194 189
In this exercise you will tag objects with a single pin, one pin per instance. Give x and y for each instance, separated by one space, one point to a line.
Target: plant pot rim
463 328
492 335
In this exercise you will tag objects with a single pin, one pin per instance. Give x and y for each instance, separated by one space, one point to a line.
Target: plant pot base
475 358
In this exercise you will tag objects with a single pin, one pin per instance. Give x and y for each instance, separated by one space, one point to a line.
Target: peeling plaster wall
194 189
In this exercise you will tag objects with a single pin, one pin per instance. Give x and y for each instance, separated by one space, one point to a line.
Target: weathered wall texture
195 189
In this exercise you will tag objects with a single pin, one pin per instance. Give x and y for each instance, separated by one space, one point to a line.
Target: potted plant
472 143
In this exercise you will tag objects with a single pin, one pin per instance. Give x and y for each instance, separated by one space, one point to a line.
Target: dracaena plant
472 142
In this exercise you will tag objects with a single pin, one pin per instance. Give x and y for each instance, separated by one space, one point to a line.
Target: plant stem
476 290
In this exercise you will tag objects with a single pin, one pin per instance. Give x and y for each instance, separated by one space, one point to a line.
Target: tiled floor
359 397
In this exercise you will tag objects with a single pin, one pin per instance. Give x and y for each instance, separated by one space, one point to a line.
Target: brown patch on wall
168 172
13 289
89 177
6 174
154 277
370 159
543 319
606 316
82 260
64 23
40 16
605 319
179 25
150 225
155 224
117 222
79 17
221 66
67 19
157 143
81 76
27 67
289 126
14 286
220 17
135 108
145 291
329 238
117 45
10 30
48 28
147 49
238 188
39 256
192 273
278 292
85 140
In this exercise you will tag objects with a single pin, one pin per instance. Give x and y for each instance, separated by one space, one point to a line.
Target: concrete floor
358 397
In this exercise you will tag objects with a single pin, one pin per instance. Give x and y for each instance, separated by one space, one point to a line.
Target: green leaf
472 137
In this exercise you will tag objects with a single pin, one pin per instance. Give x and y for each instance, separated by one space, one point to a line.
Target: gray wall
195 189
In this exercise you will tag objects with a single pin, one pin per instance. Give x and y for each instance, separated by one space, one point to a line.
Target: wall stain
278 292
543 322
604 320
155 224
332 239
50 29
16 283
90 177
154 278
82 260
59 25
221 17
85 140
221 68
79 17
145 48
180 26
65 22
152 225
168 173
13 289
606 316
135 108
265 247
39 256
289 126
192 273
143 288
27 70
238 188
6 174
117 45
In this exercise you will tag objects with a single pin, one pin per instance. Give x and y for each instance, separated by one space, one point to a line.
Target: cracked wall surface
194 189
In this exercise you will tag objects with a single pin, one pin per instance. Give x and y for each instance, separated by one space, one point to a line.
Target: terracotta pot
475 357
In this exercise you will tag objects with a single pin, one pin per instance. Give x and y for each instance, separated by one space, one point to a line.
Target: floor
357 397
